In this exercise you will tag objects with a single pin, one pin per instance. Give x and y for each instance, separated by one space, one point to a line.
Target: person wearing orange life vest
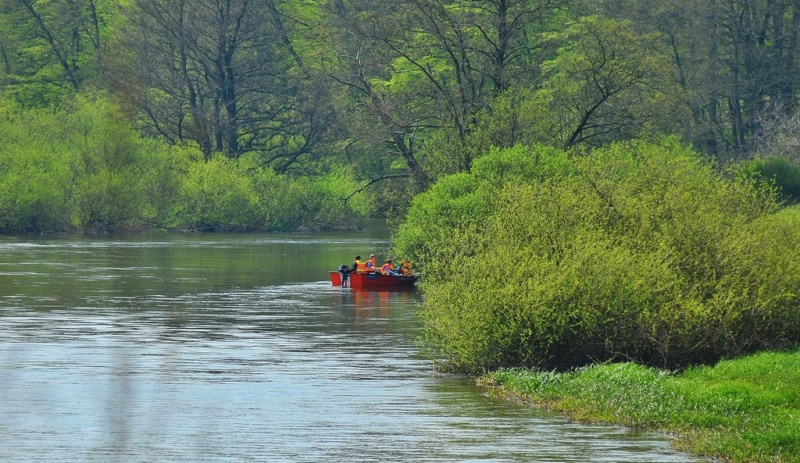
405 268
388 268
371 265
358 266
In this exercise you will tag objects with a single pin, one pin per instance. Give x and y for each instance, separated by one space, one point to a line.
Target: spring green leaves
639 251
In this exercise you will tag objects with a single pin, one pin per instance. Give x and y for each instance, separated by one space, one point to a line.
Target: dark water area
217 348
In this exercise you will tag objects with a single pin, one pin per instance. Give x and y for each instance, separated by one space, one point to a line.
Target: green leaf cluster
639 251
83 169
781 172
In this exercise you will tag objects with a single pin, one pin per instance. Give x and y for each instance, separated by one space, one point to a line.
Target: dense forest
279 114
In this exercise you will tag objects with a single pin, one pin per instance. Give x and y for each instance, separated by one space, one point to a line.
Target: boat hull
374 281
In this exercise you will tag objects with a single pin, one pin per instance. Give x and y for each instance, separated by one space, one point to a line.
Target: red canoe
374 281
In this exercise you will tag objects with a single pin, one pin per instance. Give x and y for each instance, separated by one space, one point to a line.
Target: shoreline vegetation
741 410
638 286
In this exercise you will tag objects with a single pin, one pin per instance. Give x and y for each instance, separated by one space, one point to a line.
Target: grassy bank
743 410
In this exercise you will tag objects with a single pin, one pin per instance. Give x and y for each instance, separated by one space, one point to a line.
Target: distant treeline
81 169
410 90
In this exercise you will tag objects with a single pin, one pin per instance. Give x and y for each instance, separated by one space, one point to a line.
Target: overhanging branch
374 181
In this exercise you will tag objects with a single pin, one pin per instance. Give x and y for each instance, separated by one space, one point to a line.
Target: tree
221 73
607 82
736 58
415 67
50 48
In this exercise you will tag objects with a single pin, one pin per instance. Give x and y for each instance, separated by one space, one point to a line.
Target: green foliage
638 251
743 410
82 169
784 174
216 197
50 49
463 201
77 169
316 203
759 291
607 82
160 172
238 195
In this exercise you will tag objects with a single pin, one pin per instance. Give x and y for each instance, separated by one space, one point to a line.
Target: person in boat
344 273
405 268
358 266
388 268
371 264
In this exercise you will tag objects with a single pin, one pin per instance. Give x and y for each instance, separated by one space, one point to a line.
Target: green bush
239 195
783 174
324 199
636 252
83 169
159 174
36 173
215 196
462 201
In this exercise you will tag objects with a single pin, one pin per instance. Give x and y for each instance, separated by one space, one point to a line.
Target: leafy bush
239 195
324 200
37 171
216 197
636 252
83 169
462 201
76 169
783 174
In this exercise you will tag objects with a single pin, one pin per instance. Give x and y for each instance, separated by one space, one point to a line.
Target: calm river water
215 348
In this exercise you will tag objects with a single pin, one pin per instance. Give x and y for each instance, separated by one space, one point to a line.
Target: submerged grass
743 410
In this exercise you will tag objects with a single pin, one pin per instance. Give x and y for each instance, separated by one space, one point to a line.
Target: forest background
236 115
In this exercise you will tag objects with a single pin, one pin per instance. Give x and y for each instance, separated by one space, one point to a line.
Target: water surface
237 348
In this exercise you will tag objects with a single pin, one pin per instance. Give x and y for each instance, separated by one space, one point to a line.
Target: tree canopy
403 92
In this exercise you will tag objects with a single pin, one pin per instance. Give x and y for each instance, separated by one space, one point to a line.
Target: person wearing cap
371 265
388 268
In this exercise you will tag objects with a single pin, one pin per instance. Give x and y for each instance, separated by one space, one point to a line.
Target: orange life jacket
387 267
360 267
406 268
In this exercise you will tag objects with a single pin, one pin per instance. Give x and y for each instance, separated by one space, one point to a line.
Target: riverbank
743 410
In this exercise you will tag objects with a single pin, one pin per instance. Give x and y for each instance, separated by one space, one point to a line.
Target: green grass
743 410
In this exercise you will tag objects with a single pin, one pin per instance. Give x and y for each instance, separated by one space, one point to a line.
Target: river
220 348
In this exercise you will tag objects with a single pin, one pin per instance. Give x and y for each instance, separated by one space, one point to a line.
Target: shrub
462 201
83 169
783 174
215 196
636 252
80 169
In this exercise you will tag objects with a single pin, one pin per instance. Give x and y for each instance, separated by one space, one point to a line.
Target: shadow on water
236 348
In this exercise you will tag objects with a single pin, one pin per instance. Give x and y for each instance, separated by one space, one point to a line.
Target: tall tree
737 59
415 66
606 83
50 47
221 73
